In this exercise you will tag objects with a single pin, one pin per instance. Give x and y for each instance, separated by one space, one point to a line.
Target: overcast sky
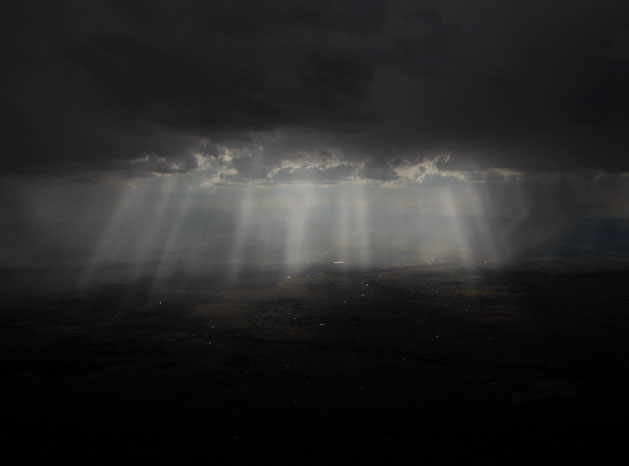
151 128
360 87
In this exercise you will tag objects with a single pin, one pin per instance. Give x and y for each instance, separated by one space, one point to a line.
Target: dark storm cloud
533 85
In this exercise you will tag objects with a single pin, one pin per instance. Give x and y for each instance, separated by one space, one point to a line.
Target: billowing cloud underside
311 90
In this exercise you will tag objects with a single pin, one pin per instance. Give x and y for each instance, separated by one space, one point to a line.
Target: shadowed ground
324 364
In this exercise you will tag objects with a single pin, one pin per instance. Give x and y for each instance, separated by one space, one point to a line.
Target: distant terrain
325 363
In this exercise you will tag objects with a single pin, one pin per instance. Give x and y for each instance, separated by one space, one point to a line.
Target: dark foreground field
525 363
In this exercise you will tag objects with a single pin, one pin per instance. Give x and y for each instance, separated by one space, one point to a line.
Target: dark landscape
326 364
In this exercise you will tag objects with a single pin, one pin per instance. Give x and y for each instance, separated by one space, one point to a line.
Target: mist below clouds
160 226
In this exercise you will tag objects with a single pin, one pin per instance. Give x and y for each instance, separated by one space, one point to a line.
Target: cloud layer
326 90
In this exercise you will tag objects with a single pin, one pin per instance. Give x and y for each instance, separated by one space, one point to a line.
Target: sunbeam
172 224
